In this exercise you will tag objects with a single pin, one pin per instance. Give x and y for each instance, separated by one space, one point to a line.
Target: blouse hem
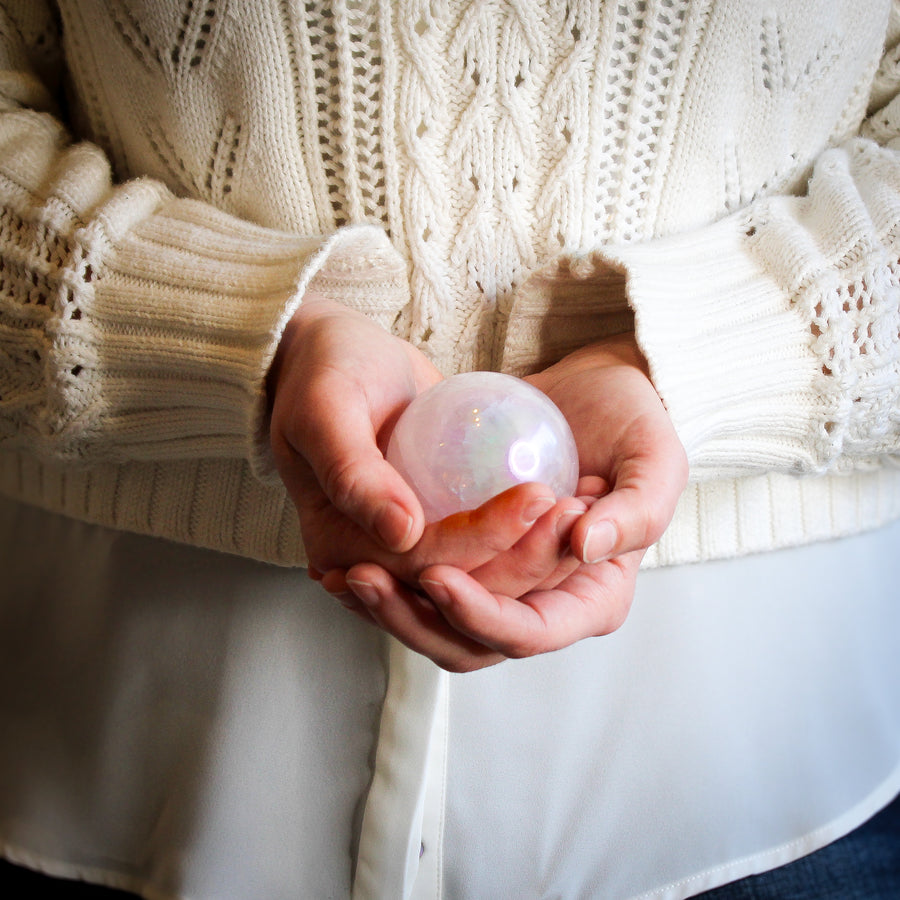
783 854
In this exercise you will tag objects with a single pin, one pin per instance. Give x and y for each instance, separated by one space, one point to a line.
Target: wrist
313 308
617 350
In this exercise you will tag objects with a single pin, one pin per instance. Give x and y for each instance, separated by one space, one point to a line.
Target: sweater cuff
730 355
572 301
175 327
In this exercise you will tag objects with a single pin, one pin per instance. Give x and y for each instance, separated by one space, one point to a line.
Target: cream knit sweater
499 183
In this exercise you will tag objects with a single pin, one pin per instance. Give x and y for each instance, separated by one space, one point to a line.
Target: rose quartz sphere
472 436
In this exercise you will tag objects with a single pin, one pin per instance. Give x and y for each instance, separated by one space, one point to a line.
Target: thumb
636 512
338 443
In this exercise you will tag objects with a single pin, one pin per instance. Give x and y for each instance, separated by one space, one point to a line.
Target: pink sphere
472 436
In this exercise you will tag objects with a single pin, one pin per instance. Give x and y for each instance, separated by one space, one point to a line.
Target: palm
624 437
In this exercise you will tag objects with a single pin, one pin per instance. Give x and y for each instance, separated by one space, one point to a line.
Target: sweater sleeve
773 334
134 324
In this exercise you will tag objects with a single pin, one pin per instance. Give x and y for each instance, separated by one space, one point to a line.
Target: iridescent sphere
472 436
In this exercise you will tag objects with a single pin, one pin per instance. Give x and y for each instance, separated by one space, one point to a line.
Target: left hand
633 469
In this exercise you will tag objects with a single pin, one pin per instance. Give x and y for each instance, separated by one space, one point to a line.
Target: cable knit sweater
497 182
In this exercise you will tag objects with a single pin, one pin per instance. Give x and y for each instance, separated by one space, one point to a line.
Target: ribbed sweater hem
220 505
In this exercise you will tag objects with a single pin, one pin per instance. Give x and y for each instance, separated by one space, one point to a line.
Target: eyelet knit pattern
497 182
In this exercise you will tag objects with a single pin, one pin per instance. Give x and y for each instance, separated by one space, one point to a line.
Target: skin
523 574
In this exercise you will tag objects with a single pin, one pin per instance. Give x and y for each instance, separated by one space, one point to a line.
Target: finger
415 622
637 511
592 486
335 582
541 558
472 538
467 539
592 601
339 444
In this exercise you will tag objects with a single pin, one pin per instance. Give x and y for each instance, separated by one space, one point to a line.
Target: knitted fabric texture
498 183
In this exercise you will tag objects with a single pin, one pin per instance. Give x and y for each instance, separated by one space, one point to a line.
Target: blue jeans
864 865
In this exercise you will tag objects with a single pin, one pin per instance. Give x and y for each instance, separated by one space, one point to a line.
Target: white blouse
181 723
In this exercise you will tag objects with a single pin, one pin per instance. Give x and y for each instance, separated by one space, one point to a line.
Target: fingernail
599 542
537 508
366 592
437 590
565 522
387 529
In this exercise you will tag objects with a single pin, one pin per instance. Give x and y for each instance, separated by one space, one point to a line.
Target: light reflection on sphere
474 435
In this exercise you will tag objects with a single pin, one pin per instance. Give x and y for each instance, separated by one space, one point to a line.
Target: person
237 241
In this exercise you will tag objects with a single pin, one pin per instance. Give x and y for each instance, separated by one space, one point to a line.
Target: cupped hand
633 469
626 439
337 382
337 385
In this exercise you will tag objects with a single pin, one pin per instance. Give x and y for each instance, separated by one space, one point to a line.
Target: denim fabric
864 865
